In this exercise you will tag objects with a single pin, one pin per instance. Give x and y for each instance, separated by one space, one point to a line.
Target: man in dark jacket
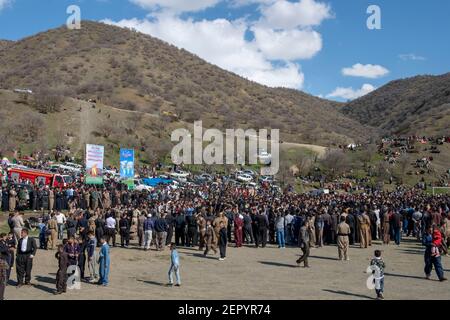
180 225
191 223
26 250
350 220
262 224
248 232
303 241
124 227
161 232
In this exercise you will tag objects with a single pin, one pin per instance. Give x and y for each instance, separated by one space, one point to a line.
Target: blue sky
303 44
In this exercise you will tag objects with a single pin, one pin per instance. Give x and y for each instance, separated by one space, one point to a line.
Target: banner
126 163
94 164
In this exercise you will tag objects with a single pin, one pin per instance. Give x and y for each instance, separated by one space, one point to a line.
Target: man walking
303 240
174 266
26 250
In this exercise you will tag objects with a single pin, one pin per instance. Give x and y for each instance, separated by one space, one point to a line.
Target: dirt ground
247 273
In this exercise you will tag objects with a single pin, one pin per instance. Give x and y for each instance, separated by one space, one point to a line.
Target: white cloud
366 71
283 14
411 56
350 93
288 44
4 3
222 43
243 3
176 5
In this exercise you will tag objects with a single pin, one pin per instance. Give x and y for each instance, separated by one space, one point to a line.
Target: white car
140 186
268 179
72 167
265 157
179 174
250 172
244 177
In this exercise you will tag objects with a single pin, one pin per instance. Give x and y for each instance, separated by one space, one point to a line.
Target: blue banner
126 163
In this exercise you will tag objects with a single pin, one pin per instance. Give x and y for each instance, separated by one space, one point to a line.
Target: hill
5 43
132 71
414 106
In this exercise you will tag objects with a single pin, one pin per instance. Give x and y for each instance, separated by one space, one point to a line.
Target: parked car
179 174
244 177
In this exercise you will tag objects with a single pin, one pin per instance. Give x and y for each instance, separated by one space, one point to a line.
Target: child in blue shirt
174 265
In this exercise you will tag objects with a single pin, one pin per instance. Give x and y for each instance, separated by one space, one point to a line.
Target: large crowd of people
214 216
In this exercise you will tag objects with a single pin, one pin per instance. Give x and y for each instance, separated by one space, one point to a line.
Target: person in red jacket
238 229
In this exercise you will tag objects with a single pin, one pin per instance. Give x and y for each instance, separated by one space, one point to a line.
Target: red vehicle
37 177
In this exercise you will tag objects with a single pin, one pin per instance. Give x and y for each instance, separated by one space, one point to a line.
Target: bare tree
335 163
47 101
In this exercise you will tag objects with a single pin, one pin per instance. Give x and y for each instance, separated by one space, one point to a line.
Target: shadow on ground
350 294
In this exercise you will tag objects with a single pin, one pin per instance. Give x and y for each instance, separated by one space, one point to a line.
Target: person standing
238 229
148 230
124 227
303 240
73 251
201 221
61 274
180 226
223 241
279 226
262 224
11 243
364 230
111 229
174 266
52 228
60 220
170 224
191 229
210 241
161 232
432 240
71 225
12 199
104 263
248 232
51 200
140 229
343 231
379 276
386 228
3 276
397 225
18 224
350 221
92 257
26 250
